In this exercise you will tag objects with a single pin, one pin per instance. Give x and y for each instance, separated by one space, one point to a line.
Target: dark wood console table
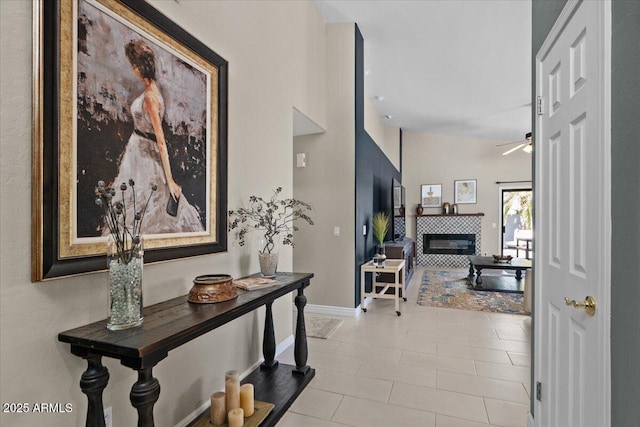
172 323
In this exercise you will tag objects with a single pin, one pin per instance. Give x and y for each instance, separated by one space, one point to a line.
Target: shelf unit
402 249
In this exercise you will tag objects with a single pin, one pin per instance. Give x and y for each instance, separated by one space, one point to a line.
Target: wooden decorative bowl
212 288
502 258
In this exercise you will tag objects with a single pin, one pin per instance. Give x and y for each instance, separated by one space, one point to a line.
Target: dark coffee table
497 283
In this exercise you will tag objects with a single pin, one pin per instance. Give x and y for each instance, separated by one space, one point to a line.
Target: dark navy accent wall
374 174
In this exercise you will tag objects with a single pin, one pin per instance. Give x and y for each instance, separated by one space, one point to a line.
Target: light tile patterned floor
430 367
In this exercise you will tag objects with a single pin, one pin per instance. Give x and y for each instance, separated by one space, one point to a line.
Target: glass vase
268 257
125 260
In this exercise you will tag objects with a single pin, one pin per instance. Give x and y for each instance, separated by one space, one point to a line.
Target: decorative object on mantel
454 209
380 224
211 288
419 210
275 216
465 191
125 254
446 208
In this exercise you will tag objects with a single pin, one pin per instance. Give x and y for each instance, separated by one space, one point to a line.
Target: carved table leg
144 394
478 278
93 381
470 270
300 346
269 341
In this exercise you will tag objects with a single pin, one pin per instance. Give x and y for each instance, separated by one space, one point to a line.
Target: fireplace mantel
443 224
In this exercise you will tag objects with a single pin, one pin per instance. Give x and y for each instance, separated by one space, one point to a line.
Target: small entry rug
319 327
452 289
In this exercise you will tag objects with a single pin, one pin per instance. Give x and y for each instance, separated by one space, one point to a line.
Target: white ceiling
446 67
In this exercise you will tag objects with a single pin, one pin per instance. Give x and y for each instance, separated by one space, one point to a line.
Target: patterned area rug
452 289
319 327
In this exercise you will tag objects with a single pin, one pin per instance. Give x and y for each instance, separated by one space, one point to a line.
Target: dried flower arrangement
126 239
275 216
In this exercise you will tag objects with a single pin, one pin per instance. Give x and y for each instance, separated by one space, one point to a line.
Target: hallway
430 367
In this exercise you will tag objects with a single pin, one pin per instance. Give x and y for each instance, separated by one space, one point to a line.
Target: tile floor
430 367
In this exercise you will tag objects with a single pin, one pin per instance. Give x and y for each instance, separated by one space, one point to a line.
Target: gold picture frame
84 128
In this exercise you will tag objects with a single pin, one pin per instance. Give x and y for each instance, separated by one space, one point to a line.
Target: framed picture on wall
123 93
431 195
465 191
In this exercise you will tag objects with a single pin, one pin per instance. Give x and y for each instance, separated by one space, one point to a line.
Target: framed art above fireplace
465 191
431 195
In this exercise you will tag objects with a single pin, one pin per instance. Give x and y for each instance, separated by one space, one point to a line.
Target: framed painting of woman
122 94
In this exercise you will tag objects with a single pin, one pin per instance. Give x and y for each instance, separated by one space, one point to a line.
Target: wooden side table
395 266
172 323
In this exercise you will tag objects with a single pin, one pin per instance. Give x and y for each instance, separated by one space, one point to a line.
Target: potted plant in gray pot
275 217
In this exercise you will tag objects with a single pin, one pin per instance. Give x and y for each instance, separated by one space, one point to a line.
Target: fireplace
449 244
446 241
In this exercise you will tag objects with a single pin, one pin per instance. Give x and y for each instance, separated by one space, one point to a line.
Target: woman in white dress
146 160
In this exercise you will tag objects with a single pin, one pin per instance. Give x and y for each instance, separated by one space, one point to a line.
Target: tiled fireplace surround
447 224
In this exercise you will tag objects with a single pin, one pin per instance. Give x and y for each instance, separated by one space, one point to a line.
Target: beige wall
438 159
276 61
387 137
328 182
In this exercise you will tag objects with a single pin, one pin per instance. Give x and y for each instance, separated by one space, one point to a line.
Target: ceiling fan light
513 149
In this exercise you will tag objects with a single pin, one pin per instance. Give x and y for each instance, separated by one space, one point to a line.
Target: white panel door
572 149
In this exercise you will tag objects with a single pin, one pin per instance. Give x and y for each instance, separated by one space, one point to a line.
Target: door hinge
539 105
538 391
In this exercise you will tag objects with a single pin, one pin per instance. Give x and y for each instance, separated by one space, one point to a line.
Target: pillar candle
236 417
246 399
218 409
232 390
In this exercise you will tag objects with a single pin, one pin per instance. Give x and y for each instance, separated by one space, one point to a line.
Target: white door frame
604 304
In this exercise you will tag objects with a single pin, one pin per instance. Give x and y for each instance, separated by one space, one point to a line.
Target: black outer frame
51 265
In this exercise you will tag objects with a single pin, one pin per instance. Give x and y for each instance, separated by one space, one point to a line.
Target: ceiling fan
525 144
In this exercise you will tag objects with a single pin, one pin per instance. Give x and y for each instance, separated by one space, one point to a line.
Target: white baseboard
530 420
285 344
331 310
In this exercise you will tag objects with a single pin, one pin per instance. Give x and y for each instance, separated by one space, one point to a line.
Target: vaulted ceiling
451 67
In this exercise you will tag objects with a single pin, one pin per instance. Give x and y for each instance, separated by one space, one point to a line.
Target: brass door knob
589 304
